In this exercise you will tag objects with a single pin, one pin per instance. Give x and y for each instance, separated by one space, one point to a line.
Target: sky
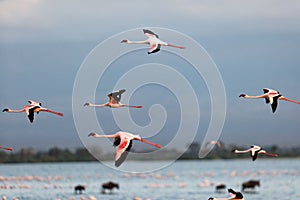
253 44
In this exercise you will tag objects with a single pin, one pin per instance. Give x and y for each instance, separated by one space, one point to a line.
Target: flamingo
271 96
254 151
236 196
114 101
153 41
214 142
33 106
124 142
6 148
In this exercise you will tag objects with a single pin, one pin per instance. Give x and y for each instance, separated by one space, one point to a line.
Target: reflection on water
279 179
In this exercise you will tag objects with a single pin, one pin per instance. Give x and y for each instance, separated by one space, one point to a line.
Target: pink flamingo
114 101
271 97
31 109
254 151
124 142
153 41
214 142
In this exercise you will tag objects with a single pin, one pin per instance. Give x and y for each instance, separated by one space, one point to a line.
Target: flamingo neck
105 136
254 97
136 42
97 105
15 111
241 151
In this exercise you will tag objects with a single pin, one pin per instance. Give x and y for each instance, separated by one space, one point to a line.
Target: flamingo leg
5 148
124 105
289 100
271 154
135 106
53 112
151 143
179 47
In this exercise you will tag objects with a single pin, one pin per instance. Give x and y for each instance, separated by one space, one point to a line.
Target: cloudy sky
254 45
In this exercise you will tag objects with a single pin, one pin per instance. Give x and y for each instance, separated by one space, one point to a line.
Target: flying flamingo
6 148
153 41
214 142
114 101
33 106
236 196
254 151
124 142
271 97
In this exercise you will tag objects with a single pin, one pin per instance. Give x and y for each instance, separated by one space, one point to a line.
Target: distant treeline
225 152
55 154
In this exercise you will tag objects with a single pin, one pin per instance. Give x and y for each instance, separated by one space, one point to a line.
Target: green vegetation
55 154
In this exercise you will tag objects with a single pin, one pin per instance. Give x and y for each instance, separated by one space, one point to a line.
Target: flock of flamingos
123 140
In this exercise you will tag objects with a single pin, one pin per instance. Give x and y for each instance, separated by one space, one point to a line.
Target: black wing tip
230 190
266 90
123 157
150 32
239 195
154 51
122 91
117 164
275 103
147 31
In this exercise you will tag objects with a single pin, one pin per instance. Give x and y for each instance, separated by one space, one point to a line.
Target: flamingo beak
91 134
124 41
86 104
5 110
242 95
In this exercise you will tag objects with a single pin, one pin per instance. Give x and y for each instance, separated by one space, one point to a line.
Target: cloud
16 11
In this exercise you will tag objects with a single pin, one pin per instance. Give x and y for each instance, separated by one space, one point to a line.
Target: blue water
279 179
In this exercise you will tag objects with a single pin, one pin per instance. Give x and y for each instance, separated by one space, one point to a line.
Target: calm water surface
279 179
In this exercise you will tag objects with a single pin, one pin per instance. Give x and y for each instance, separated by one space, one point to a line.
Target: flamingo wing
111 99
266 90
125 145
30 113
154 47
275 103
34 103
117 95
267 100
149 33
123 156
254 156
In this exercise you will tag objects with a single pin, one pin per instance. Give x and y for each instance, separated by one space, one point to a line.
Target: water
182 180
